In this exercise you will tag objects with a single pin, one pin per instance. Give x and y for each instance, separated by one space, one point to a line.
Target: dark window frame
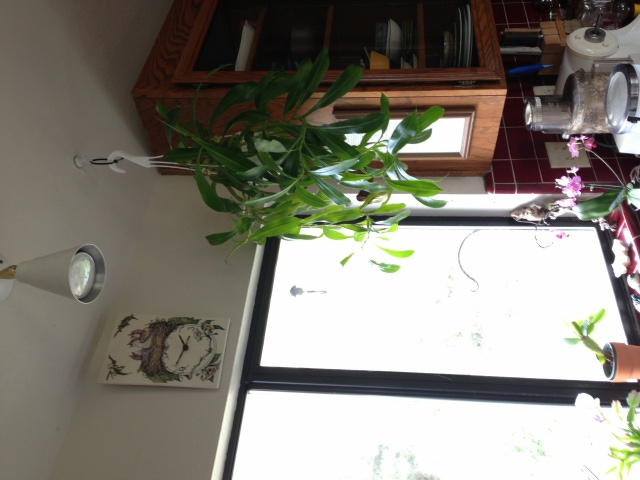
426 385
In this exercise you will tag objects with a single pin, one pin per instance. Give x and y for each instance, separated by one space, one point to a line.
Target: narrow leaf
334 234
419 188
283 226
431 202
315 76
309 198
397 253
220 238
268 198
403 133
386 267
343 85
331 192
364 124
344 261
243 92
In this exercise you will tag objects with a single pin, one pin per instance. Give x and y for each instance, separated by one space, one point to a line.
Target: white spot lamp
77 273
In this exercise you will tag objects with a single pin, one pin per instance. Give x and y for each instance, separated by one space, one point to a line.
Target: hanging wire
460 261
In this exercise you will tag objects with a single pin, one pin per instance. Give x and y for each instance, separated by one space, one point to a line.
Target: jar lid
621 96
580 46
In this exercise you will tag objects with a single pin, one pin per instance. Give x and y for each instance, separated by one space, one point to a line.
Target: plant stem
609 167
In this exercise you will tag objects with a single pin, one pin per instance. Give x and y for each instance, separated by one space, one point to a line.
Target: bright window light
477 301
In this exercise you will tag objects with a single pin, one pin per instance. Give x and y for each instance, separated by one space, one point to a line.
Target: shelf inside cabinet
424 41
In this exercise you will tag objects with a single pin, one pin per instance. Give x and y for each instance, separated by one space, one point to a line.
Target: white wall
67 69
154 432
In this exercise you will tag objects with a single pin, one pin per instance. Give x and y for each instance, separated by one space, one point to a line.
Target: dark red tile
551 174
539 139
499 14
527 171
502 150
502 171
513 113
627 163
520 143
602 169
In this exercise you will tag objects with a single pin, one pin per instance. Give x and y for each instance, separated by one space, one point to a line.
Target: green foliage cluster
583 330
627 453
607 202
286 177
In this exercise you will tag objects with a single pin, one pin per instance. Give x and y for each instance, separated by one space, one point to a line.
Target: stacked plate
462 39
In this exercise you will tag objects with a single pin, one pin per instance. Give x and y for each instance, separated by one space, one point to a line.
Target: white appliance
594 49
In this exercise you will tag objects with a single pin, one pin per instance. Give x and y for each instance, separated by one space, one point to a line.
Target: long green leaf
231 159
334 234
309 198
599 207
397 253
210 196
280 84
282 226
249 117
331 192
429 117
319 69
367 123
268 198
336 144
389 208
332 170
216 239
344 261
298 87
271 146
343 85
403 133
431 202
385 267
241 93
419 188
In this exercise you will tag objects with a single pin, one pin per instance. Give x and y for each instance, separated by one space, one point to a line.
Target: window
452 365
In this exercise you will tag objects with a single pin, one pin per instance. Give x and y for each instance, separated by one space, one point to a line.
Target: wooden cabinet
199 35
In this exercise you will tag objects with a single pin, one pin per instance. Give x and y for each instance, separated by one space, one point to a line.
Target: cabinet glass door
406 41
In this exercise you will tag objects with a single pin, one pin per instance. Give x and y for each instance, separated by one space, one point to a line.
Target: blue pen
528 68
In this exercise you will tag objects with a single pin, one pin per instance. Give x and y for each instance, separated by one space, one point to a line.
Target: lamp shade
74 273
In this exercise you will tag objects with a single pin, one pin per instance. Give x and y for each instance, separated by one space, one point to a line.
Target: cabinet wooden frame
488 67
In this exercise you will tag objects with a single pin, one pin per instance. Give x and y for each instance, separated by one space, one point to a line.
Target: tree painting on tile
174 351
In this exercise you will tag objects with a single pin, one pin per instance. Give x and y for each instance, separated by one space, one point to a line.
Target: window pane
341 437
478 301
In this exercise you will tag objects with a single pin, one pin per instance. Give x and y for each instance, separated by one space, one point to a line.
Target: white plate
469 35
460 38
394 41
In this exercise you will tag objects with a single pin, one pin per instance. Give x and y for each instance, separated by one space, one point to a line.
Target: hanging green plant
286 177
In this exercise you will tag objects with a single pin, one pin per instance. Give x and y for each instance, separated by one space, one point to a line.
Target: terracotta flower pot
624 364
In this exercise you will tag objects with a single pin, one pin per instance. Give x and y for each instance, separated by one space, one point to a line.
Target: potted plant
620 362
278 174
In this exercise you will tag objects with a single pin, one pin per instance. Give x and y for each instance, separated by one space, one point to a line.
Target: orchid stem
610 168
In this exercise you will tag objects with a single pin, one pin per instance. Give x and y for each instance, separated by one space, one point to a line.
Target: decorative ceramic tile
173 351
